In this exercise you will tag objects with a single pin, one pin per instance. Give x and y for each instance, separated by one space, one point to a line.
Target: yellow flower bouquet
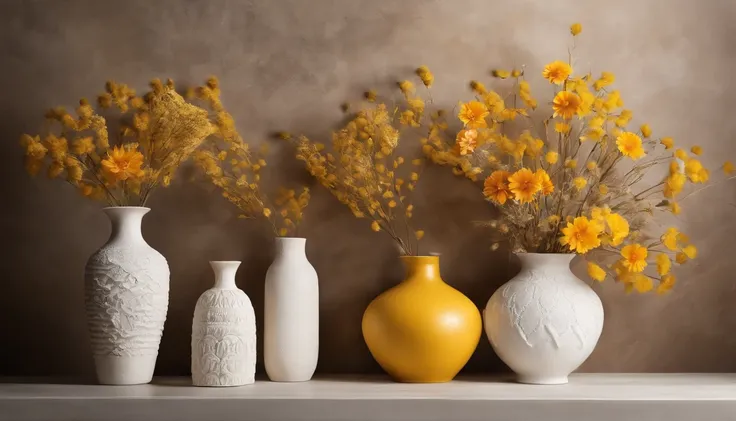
232 166
571 179
155 133
363 171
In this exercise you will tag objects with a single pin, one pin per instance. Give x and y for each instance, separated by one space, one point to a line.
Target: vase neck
548 261
225 273
290 247
422 268
126 223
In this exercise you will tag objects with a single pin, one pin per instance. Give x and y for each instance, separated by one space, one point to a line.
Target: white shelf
588 397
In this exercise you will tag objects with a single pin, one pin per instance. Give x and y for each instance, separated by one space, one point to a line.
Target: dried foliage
158 131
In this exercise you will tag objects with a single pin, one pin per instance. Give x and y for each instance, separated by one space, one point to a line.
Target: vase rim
226 261
126 207
290 238
422 257
543 254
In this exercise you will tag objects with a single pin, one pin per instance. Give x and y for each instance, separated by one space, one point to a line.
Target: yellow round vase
422 330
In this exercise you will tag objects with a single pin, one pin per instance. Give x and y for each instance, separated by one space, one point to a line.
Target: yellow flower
623 118
478 87
663 264
562 127
56 146
551 157
576 28
501 74
667 142
496 188
668 281
643 283
690 251
697 150
591 165
603 189
515 73
596 272
545 182
419 234
392 204
370 95
728 168
123 163
606 79
695 171
646 131
557 72
675 208
375 226
467 141
571 163
580 182
524 185
406 87
581 235
566 104
674 184
425 75
266 212
629 144
681 258
669 239
473 114
681 154
83 145
634 257
618 227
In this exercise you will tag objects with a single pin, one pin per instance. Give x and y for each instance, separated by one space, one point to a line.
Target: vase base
542 380
113 370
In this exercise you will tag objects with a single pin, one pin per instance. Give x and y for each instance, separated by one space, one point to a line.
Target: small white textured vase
224 333
126 297
291 320
545 321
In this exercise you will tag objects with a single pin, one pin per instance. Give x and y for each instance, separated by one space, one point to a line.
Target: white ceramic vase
291 319
545 321
224 332
126 298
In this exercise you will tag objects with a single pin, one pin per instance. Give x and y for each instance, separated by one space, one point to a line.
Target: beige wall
288 65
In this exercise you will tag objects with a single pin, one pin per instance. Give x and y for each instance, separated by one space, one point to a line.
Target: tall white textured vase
224 332
291 319
126 298
545 321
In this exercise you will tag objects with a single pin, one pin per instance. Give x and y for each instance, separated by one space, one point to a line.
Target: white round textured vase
545 321
126 299
224 333
291 319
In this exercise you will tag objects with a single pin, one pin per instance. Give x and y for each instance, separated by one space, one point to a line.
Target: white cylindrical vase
291 319
126 300
224 332
545 322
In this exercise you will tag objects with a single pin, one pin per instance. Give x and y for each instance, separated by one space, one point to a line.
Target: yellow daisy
557 72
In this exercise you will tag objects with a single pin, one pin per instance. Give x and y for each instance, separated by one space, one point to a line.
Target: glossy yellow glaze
422 330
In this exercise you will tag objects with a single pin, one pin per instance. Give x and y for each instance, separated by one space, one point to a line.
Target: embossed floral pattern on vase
223 333
126 300
545 322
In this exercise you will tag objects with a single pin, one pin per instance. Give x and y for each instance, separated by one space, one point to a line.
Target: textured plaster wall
288 65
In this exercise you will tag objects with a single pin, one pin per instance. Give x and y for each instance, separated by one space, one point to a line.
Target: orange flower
629 144
123 163
524 184
566 104
496 188
634 257
467 140
545 182
581 235
473 114
557 72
